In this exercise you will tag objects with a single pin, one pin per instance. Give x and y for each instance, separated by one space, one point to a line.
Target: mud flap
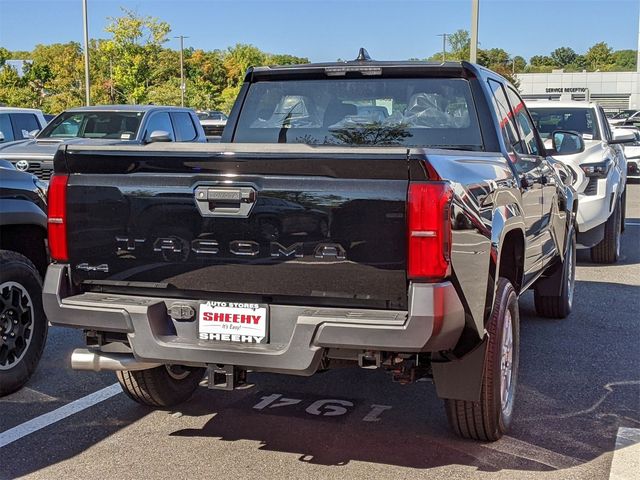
551 283
461 379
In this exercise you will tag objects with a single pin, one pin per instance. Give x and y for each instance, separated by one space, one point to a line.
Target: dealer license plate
233 322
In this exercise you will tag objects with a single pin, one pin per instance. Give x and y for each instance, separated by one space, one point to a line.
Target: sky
325 30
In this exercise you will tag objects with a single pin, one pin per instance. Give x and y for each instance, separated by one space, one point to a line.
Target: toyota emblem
22 165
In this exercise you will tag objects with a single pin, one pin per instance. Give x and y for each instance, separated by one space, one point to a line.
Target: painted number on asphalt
326 407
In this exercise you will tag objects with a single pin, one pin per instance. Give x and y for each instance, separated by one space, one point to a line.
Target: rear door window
23 123
524 124
183 126
5 128
505 118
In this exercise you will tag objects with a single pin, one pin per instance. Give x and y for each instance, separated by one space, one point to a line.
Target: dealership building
613 90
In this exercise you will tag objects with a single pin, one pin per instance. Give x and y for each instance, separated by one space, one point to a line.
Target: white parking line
625 463
632 224
44 420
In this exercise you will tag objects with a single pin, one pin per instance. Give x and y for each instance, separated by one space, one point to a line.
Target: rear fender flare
21 212
506 219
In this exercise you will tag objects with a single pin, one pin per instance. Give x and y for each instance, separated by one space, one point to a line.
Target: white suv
599 171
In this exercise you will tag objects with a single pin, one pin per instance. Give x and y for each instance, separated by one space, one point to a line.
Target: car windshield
96 124
422 112
581 120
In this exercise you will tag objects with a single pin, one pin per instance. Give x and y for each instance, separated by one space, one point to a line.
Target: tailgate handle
225 201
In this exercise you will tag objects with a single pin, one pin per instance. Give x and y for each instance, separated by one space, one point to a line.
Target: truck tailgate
289 224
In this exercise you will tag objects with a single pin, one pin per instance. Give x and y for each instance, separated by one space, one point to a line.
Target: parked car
106 124
213 123
23 262
599 172
632 152
20 123
408 241
625 117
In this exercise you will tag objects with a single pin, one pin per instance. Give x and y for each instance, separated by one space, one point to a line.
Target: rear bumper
299 335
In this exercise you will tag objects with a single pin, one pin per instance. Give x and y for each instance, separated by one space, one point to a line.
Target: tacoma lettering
241 248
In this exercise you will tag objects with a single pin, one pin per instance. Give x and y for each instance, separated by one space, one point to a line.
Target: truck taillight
429 231
57 218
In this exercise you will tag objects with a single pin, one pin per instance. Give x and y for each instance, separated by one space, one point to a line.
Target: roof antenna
363 56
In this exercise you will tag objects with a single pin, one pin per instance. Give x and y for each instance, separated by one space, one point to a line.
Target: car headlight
598 170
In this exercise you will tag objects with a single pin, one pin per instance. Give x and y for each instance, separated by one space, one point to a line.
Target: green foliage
563 56
4 55
519 64
133 52
460 44
625 60
599 56
284 59
542 61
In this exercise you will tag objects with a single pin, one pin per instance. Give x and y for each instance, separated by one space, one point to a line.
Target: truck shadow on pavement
575 390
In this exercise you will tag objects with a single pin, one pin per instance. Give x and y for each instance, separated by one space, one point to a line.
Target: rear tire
608 250
23 324
161 387
489 419
559 306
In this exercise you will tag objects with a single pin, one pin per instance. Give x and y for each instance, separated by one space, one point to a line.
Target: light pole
183 87
444 45
473 57
85 25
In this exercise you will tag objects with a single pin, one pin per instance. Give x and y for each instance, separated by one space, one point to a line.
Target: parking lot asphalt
579 388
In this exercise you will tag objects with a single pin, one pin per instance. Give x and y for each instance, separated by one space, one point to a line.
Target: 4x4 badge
93 268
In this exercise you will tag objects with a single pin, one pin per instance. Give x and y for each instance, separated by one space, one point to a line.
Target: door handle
225 201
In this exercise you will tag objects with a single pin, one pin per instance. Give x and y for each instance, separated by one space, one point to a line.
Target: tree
284 59
61 71
238 59
519 64
134 50
563 56
493 57
460 43
4 56
542 61
625 60
599 56
14 90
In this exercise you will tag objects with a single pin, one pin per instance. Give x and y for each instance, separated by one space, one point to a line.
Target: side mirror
33 133
1 137
620 135
159 136
564 142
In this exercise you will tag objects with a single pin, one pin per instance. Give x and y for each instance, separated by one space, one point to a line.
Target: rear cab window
411 112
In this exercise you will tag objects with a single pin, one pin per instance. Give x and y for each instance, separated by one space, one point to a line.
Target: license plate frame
233 322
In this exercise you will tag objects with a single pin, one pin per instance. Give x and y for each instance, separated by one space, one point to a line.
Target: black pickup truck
387 214
23 261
